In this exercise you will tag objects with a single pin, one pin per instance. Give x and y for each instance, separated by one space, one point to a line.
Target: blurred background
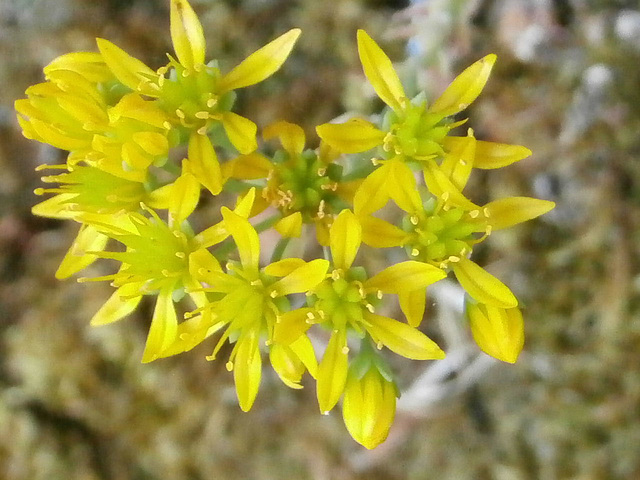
75 401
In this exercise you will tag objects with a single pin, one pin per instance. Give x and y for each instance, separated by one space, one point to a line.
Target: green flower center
417 133
303 183
189 95
342 300
444 235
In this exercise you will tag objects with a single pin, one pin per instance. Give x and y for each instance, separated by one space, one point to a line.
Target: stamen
345 350
415 252
370 308
474 213
202 130
379 294
180 114
414 220
202 115
229 366
454 259
167 125
322 171
212 102
181 255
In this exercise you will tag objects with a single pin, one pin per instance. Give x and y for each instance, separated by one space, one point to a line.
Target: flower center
303 183
342 300
190 95
417 133
445 235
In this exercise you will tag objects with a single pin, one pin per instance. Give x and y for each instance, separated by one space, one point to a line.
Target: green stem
278 252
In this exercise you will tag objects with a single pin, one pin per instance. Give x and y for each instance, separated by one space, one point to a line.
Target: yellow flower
345 302
499 332
196 95
442 229
411 130
253 301
369 405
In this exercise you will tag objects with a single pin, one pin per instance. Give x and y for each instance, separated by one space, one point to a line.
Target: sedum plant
119 120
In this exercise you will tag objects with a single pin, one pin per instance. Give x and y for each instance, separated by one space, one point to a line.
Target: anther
474 213
454 259
486 212
379 294
311 316
273 294
345 350
181 255
202 115
414 220
322 171
370 308
180 114
415 252
202 130
212 102
229 366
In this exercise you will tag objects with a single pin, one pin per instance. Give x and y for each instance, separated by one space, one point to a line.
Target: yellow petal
354 136
303 278
465 88
378 233
373 194
56 137
202 263
287 365
506 212
120 304
56 207
498 332
128 70
345 237
89 65
380 72
184 198
303 348
369 408
203 163
245 237
405 276
412 304
247 167
135 107
247 370
482 286
332 372
291 325
186 34
290 226
496 155
283 267
402 339
164 327
459 160
402 188
241 132
153 143
440 186
291 136
76 258
261 64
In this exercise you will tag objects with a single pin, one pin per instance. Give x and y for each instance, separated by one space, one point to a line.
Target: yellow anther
415 252
379 294
454 259
414 220
181 255
370 307
321 314
322 171
202 115
486 212
345 350
212 102
166 125
445 196
273 294
202 130
311 316
180 114
165 272
474 213
379 345
229 366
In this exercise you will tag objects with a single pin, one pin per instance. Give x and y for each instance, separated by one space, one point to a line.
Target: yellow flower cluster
120 120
